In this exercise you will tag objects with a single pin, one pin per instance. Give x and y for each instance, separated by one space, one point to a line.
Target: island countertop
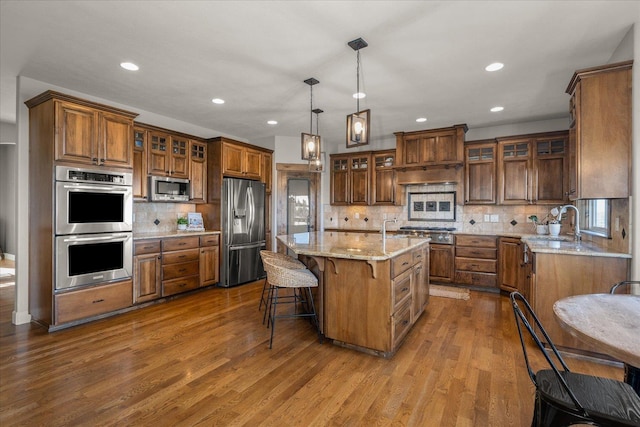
335 244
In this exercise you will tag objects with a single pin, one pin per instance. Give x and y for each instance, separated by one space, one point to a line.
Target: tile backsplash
166 214
469 218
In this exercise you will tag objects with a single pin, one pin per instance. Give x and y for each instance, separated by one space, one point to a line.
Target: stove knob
441 238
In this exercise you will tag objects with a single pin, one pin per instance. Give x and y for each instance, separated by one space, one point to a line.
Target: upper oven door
93 208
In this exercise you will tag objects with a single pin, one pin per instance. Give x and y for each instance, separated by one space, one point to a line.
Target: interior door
298 203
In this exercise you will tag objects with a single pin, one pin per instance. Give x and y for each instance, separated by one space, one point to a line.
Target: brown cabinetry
241 161
480 173
180 265
350 178
441 263
139 163
533 168
431 147
209 259
198 171
384 178
476 260
511 265
87 133
91 302
146 271
373 304
600 132
168 154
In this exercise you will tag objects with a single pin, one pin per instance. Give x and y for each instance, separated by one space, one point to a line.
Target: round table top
606 321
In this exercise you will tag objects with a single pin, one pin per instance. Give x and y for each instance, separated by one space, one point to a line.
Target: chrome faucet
563 209
384 227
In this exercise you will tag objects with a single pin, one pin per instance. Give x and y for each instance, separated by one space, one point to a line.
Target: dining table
609 322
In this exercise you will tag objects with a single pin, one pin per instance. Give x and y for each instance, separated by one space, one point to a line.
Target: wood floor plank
204 360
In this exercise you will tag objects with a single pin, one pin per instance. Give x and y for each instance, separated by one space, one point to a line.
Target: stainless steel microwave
168 189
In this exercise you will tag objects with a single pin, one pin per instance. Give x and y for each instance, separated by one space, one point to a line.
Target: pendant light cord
311 111
358 81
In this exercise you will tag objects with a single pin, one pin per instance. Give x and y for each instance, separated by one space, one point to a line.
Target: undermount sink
549 238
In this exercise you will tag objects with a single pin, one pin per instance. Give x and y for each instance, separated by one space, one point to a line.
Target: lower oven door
93 258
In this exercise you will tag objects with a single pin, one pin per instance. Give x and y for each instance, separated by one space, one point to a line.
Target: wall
8 236
145 215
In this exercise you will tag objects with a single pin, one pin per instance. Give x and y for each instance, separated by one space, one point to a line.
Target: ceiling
424 59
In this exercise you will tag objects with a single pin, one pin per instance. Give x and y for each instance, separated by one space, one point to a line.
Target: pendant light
358 122
310 141
317 164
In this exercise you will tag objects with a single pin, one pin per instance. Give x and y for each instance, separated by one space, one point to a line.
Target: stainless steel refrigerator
243 237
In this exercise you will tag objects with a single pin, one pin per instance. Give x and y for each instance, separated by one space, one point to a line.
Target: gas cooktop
417 228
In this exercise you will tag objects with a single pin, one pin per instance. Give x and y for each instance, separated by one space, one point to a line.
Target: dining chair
287 260
623 286
563 397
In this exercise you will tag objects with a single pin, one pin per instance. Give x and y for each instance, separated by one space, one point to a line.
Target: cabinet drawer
176 286
146 247
93 301
401 263
182 269
418 256
210 240
469 240
478 265
401 323
467 252
401 288
478 279
180 256
180 243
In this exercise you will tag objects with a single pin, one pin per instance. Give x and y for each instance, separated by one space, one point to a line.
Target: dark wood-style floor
204 360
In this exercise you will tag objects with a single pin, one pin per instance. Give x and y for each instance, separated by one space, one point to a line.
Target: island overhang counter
370 291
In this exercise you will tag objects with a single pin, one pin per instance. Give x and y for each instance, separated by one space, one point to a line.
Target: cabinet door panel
75 133
480 183
550 180
232 160
158 155
441 263
253 164
115 145
146 278
209 265
515 182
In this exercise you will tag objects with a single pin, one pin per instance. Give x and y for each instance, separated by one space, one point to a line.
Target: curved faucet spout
577 234
384 227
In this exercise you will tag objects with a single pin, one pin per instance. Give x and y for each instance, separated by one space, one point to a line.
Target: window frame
588 220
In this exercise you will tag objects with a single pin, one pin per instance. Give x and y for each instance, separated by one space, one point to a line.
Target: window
595 216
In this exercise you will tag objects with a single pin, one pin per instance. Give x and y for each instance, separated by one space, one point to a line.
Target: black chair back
522 320
626 286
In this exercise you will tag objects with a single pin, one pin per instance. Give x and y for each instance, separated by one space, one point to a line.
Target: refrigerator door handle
253 245
252 210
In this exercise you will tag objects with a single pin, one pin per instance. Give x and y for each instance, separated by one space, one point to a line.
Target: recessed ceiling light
359 95
272 122
497 109
494 67
421 119
129 66
217 101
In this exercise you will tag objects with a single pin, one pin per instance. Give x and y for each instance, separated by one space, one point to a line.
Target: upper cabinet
350 178
139 163
198 171
241 161
384 177
168 154
480 172
431 147
532 169
600 132
88 133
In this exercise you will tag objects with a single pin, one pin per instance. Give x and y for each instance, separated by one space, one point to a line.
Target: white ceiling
424 59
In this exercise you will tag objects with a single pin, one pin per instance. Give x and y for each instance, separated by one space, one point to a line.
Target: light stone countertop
609 322
175 233
336 244
565 245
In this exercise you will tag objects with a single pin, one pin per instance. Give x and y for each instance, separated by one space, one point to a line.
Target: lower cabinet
441 263
169 266
89 302
476 260
511 271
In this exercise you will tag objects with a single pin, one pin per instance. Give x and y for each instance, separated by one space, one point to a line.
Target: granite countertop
174 233
565 245
335 244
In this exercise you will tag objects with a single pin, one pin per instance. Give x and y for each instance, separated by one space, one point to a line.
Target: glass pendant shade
310 146
358 128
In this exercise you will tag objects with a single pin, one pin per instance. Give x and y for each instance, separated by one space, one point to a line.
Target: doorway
298 192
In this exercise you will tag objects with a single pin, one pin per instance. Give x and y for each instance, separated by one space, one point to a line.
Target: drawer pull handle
147 247
182 270
405 322
405 289
405 263
97 301
181 243
182 285
182 256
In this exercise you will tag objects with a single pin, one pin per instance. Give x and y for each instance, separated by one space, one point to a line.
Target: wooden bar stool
300 281
287 261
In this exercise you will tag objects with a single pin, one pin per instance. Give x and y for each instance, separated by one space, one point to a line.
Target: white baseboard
20 317
10 257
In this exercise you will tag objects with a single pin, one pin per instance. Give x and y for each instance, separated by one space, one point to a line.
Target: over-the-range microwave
168 189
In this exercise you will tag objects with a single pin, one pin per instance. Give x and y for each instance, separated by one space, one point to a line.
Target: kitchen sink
547 237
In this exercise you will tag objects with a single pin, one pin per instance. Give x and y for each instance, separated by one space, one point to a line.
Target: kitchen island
370 291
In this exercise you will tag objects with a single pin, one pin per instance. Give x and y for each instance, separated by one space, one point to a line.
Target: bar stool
287 261
280 276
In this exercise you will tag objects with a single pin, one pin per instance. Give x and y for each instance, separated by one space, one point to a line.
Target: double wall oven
93 226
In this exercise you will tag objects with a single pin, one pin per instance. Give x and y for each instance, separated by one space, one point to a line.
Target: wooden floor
204 360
